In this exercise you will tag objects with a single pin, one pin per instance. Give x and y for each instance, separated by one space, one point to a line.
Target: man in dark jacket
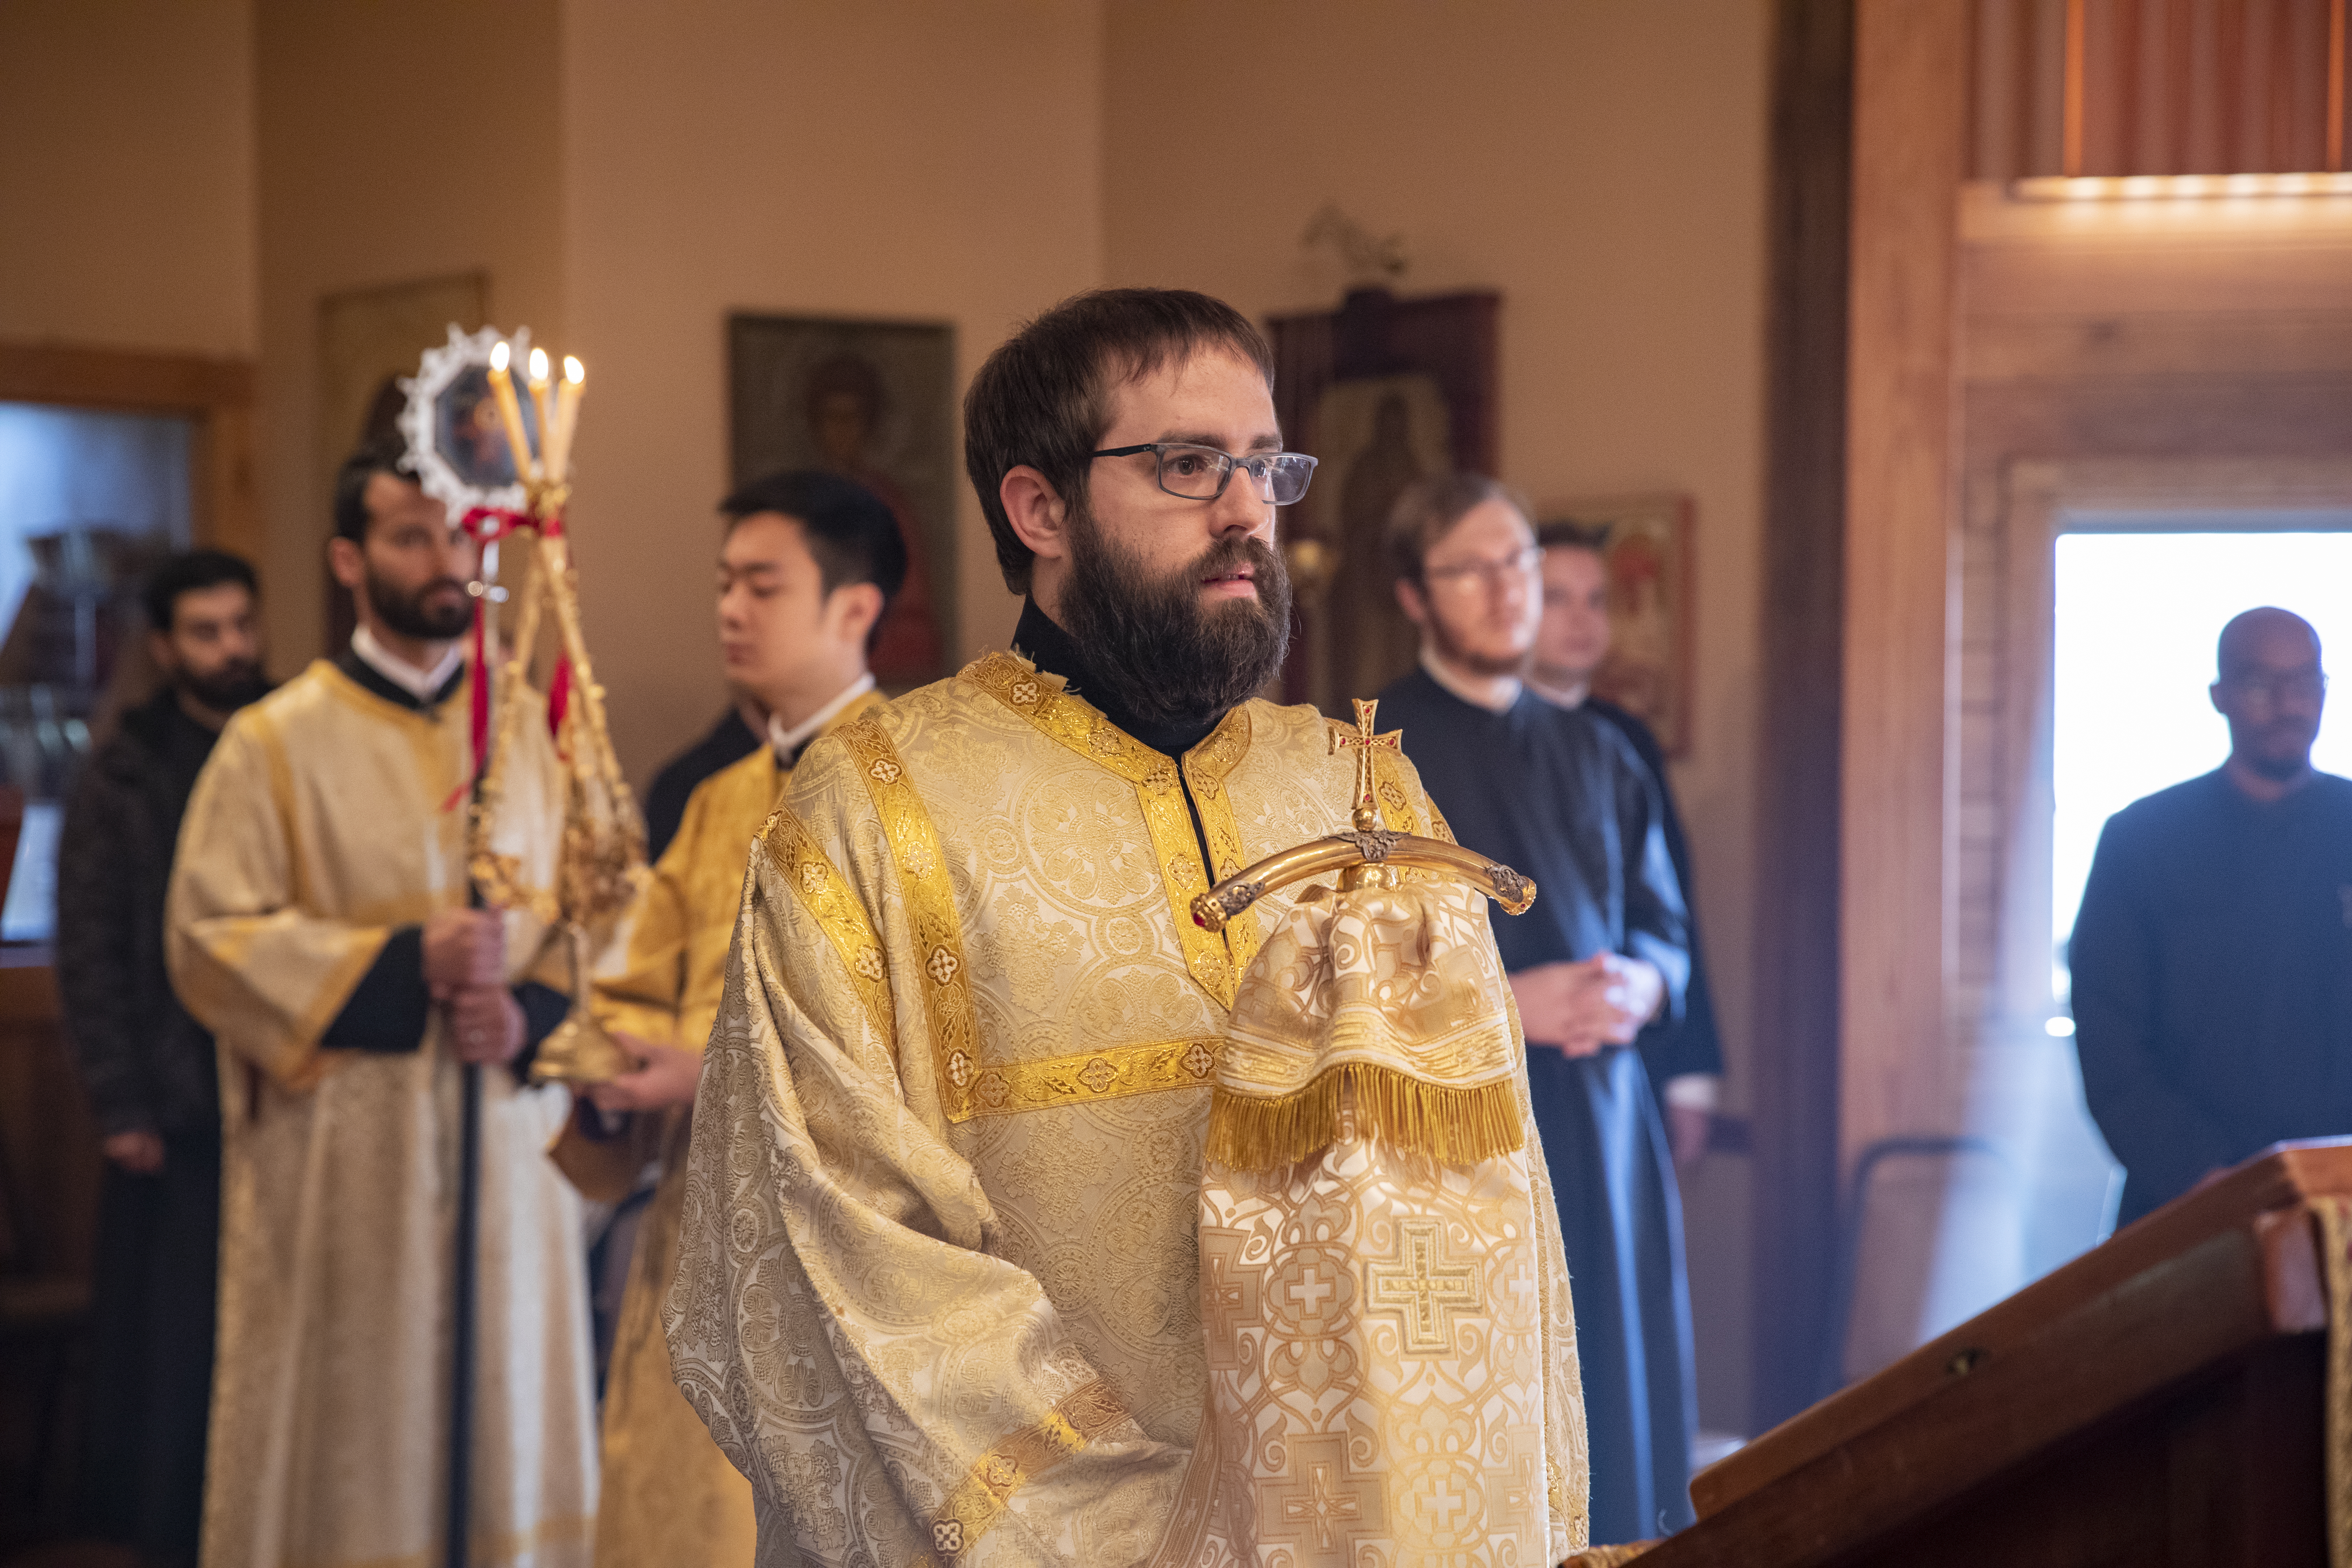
147 1068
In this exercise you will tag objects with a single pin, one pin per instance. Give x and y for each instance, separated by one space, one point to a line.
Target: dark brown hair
1427 511
1044 397
1567 533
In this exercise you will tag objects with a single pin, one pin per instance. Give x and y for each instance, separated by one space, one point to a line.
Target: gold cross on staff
1363 742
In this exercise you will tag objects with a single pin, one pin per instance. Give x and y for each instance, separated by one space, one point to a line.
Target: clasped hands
1577 1008
466 974
464 970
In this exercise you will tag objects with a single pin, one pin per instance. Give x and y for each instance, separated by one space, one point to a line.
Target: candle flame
499 354
573 371
539 365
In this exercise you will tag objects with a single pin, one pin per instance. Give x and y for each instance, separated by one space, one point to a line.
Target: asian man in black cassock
2212 957
1560 793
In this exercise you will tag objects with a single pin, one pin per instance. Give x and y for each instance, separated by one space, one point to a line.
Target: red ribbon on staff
487 525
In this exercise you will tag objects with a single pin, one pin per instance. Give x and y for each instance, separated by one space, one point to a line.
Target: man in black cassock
147 1068
1684 1052
1560 795
2212 957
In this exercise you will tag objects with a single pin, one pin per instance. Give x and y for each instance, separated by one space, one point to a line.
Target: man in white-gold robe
319 925
938 1291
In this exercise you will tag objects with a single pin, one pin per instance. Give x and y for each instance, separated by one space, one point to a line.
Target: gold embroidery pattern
930 910
981 1498
822 892
1012 1087
1216 961
1205 770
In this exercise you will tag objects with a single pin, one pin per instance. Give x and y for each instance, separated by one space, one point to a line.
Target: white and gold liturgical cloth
1373 1279
939 1290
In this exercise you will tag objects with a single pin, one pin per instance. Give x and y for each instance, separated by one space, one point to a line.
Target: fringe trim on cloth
1452 1126
2334 1212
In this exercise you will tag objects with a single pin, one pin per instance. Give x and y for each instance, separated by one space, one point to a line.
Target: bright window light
2138 617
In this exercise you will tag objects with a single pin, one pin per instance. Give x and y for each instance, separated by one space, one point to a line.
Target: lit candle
567 418
539 407
510 411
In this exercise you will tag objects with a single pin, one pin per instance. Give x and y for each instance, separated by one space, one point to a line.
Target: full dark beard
1156 650
412 617
228 689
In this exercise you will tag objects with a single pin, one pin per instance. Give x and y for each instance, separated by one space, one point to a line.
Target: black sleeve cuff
543 1008
388 1010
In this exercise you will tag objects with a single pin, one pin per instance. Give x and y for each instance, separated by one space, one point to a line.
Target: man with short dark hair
940 1291
148 1066
319 922
2212 957
807 570
1560 795
1684 1054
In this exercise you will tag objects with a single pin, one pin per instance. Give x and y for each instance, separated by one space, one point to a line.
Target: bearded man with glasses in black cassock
1561 794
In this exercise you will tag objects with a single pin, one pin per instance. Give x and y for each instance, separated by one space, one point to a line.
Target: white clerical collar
424 685
1494 693
787 742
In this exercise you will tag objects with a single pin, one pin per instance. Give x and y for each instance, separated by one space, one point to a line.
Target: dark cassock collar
369 678
1045 645
1526 709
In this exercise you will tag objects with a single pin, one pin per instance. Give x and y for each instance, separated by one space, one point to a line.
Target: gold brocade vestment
317 828
938 1288
669 1496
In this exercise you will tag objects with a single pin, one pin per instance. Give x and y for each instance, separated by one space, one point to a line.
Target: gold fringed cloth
2334 1213
1387 1361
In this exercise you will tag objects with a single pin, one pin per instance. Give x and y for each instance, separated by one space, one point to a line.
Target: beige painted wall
1604 165
376 167
897 159
126 173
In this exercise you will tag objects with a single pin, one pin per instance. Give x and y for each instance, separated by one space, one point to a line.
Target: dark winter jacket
146 1064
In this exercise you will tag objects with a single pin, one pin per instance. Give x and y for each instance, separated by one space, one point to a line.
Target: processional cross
1364 743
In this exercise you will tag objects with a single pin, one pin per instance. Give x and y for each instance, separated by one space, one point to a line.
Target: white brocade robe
938 1284
319 827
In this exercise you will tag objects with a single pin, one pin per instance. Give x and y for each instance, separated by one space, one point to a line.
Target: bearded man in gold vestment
809 565
939 1290
317 924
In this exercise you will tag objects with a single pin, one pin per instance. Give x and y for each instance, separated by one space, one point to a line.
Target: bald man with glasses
2212 958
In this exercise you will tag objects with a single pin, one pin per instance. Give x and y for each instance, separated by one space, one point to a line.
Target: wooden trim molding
216 394
1910 140
1793 1134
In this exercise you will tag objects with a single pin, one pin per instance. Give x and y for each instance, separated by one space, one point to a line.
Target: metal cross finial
1363 742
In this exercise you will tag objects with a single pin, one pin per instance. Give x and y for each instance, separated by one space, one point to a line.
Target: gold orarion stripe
981 1498
1005 1088
930 910
1214 960
803 863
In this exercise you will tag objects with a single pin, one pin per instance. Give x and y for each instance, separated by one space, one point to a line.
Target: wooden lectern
2161 1401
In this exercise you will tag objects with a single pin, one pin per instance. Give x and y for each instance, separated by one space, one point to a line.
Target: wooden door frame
216 395
1795 1045
1912 62
2038 495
